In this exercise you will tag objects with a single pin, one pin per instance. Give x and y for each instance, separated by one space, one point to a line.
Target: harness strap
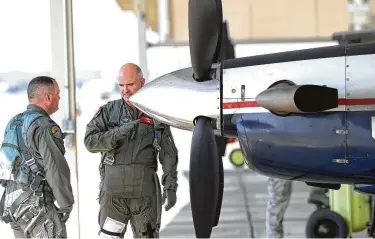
4 218
19 200
116 234
33 212
158 128
11 146
29 159
7 218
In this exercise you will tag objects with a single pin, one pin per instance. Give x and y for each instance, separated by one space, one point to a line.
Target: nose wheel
324 223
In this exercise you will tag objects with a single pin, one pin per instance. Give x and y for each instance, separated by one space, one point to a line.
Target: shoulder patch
98 112
56 132
125 119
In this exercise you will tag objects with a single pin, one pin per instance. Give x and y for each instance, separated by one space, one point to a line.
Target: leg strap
19 200
4 218
115 234
7 218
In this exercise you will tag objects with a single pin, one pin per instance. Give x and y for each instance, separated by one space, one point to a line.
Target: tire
324 223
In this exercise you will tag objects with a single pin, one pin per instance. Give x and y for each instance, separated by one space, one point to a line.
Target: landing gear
348 212
319 200
324 223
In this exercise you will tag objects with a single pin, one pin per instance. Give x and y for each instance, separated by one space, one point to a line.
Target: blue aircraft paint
308 147
360 144
365 188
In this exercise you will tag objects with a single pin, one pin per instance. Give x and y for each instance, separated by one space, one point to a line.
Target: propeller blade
220 193
205 29
204 177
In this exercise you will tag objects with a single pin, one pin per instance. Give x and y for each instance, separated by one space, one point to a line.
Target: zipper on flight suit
133 135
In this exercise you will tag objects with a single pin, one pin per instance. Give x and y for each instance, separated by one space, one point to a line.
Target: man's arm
168 158
100 137
50 146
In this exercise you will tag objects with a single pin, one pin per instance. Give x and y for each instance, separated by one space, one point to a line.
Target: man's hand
126 128
171 196
146 120
65 213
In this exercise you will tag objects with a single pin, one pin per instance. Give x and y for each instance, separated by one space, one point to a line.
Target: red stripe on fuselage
369 101
253 104
242 104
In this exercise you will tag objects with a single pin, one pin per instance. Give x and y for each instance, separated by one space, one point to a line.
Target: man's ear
142 81
49 97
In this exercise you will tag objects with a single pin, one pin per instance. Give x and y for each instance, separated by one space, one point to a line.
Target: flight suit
129 188
37 216
279 193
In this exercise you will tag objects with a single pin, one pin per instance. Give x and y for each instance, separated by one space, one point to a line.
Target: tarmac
243 212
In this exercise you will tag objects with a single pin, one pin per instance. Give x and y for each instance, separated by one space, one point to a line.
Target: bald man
130 142
34 144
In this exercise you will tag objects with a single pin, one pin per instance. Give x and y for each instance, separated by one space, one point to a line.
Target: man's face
53 99
129 83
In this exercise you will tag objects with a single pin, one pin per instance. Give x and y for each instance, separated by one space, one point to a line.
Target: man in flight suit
28 202
130 142
279 194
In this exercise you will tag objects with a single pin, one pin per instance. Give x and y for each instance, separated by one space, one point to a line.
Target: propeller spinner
206 186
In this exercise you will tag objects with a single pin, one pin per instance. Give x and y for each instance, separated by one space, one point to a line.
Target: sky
104 36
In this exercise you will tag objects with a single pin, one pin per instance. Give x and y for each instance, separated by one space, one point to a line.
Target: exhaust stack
298 99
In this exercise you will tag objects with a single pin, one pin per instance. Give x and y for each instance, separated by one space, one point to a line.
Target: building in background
274 19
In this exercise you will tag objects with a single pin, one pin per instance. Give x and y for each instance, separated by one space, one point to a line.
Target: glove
65 213
171 196
126 128
146 120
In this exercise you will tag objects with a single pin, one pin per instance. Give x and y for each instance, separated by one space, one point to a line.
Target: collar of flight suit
139 114
135 110
37 109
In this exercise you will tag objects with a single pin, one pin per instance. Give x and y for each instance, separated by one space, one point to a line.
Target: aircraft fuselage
337 145
332 146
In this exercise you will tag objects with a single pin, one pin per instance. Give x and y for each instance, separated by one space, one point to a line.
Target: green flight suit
128 189
37 216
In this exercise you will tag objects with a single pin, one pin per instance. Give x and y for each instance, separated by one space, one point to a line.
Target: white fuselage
177 99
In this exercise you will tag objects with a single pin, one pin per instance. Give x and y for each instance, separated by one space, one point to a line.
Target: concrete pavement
244 209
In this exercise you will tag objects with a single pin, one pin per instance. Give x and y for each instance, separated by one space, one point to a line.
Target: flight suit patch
56 132
125 119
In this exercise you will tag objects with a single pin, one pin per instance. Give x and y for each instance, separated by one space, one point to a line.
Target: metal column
163 20
63 72
140 11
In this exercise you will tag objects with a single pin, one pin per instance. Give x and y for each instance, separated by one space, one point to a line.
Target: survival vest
17 153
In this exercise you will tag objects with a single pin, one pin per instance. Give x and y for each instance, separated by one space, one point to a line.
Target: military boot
318 197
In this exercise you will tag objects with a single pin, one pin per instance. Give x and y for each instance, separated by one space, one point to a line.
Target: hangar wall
262 19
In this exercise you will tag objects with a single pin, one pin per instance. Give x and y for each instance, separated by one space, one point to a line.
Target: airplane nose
176 99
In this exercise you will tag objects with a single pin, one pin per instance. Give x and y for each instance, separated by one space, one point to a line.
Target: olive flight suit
33 213
130 142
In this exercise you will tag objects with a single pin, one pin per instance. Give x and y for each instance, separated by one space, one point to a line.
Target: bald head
130 69
130 80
